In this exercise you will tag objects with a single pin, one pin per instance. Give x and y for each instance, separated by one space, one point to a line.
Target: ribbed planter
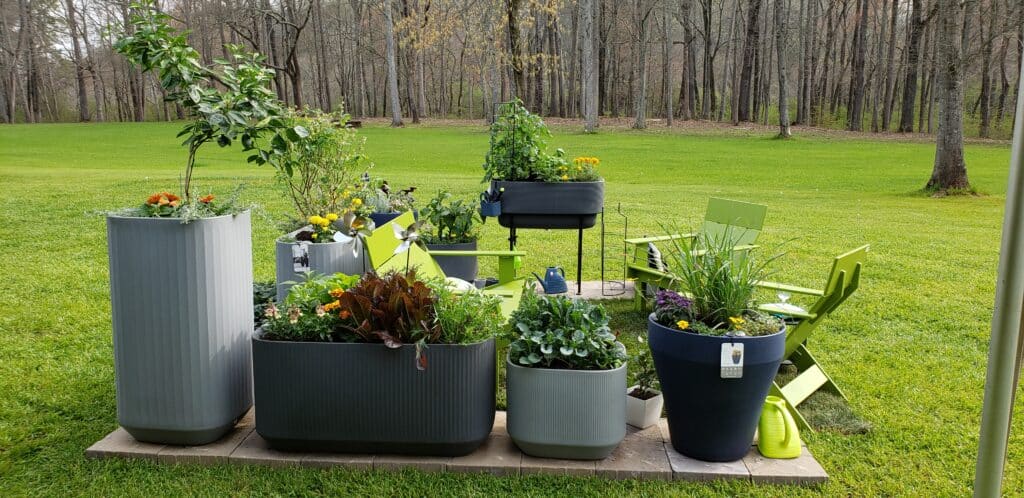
464 267
181 309
367 398
711 418
572 414
324 258
380 219
550 205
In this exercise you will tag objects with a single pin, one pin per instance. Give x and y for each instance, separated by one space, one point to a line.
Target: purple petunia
671 299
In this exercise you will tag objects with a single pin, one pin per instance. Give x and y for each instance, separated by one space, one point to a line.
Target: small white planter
643 413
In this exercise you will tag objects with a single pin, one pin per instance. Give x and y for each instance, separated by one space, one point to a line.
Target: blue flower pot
492 209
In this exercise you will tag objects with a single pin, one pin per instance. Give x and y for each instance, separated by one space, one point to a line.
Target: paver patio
643 454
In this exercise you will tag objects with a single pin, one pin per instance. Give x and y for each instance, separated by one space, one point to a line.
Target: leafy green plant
307 313
518 148
229 102
450 221
263 293
559 332
377 196
395 309
720 284
323 164
645 376
466 317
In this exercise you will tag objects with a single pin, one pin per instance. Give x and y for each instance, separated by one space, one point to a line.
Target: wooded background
871 65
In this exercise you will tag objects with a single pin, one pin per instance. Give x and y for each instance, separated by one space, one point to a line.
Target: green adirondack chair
842 282
741 221
381 245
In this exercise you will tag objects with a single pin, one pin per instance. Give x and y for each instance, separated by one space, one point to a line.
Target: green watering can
778 436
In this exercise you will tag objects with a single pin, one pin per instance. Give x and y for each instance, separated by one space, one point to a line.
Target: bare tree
588 11
642 14
950 171
780 44
389 33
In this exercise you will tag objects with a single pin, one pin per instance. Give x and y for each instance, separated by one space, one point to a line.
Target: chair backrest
381 244
843 280
740 221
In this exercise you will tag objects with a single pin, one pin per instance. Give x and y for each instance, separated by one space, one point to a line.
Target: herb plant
518 149
720 285
559 332
450 221
467 317
645 376
376 196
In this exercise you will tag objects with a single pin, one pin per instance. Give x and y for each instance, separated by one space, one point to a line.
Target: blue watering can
553 281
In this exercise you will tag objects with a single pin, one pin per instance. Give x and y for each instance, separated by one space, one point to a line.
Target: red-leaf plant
395 309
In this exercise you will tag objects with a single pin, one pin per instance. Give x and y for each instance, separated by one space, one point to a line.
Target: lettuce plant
559 332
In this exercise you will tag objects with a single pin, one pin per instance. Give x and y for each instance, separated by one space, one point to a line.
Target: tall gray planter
181 307
572 414
325 258
464 267
367 398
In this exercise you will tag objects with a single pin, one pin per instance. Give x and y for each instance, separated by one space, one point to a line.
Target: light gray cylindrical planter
325 258
367 398
464 267
572 414
181 307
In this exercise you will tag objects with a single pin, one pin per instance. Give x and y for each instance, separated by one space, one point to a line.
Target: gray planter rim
508 361
258 335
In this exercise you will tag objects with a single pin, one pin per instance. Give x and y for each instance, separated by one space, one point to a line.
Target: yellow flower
314 235
315 219
682 324
736 321
332 217
565 177
357 202
579 168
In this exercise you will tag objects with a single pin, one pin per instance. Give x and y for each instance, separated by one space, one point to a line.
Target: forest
860 65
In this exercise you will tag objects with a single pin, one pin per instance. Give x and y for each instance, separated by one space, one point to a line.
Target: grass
909 348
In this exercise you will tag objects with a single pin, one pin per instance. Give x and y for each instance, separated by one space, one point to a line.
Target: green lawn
909 349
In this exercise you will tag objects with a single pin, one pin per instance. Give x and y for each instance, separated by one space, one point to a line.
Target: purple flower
670 299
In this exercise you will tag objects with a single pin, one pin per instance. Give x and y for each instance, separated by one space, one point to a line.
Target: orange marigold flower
331 306
336 292
163 201
206 199
344 314
174 204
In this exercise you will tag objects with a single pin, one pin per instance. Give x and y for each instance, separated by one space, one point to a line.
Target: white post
1003 366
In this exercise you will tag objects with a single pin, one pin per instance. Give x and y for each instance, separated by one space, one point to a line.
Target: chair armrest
744 247
790 288
768 308
660 238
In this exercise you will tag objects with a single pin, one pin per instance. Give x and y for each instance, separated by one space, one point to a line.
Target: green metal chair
843 280
741 221
381 245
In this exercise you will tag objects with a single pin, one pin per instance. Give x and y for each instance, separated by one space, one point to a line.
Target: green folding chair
381 245
740 221
842 282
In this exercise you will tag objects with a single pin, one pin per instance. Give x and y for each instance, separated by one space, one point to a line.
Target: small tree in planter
181 354
566 379
342 365
715 354
644 401
452 225
319 180
539 189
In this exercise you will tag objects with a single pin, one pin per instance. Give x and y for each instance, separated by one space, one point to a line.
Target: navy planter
491 209
711 418
367 398
557 205
380 219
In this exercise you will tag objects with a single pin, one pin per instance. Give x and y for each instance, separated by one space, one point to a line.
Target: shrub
450 221
559 332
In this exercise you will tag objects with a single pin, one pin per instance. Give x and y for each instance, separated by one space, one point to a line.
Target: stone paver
803 469
643 454
498 456
688 469
639 456
217 451
121 444
399 462
254 451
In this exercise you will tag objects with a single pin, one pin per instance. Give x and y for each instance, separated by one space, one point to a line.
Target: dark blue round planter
711 418
380 219
492 209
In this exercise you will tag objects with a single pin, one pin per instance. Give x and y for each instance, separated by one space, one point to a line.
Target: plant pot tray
645 454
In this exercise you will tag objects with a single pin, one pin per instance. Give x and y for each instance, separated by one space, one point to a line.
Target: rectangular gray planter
324 258
557 205
181 309
571 414
367 398
463 267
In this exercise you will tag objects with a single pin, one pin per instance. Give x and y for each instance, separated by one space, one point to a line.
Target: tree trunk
950 171
890 67
588 19
750 43
666 75
389 36
83 102
780 42
515 48
987 41
643 14
856 107
915 29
